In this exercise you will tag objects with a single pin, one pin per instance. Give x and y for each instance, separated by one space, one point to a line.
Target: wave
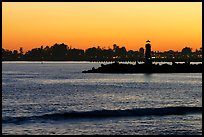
108 113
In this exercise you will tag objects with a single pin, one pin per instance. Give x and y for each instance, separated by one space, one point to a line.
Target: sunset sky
82 25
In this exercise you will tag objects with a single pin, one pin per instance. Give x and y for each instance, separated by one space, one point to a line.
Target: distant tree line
62 52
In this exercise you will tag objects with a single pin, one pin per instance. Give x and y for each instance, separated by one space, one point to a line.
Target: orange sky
82 25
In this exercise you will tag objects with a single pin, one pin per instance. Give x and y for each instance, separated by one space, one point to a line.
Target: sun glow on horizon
169 25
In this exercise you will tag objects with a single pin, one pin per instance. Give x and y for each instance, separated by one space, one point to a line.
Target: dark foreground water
56 98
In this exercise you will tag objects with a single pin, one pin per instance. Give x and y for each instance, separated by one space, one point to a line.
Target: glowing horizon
168 25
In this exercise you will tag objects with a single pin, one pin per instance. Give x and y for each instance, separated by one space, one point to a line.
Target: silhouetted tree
21 53
92 53
76 54
186 50
59 51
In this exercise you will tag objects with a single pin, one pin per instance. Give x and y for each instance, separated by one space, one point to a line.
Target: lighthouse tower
148 58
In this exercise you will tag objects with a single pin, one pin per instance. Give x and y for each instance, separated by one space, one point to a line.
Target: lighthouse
148 58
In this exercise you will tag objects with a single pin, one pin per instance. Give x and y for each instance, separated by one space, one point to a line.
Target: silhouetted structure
148 58
147 66
62 52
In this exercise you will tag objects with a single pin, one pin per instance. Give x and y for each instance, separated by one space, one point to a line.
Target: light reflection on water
35 89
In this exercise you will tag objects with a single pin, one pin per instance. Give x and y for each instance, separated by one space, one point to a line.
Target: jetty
147 66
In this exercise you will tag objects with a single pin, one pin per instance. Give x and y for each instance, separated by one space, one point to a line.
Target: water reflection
148 77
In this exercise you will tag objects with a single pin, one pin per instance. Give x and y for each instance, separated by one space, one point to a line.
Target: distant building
148 58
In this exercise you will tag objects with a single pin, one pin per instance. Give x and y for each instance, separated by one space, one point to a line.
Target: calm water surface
56 98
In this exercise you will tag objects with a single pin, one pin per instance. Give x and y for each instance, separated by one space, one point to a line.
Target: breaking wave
135 112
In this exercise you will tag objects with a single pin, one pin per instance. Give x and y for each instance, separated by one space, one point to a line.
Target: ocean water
56 98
